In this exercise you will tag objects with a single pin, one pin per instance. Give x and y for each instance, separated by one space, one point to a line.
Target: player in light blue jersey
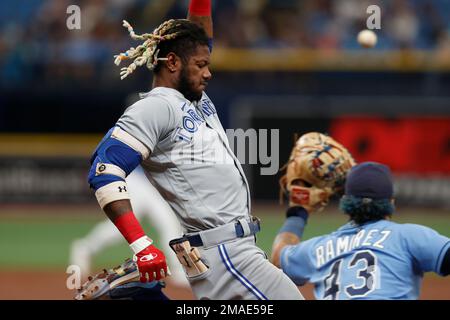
370 257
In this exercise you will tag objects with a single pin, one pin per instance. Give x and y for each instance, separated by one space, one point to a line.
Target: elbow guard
117 155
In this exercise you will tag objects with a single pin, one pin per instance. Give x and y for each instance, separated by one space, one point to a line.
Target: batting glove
150 261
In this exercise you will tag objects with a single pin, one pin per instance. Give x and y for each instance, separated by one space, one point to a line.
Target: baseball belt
186 247
240 229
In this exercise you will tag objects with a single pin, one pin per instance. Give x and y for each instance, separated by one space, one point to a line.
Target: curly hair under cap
180 36
362 210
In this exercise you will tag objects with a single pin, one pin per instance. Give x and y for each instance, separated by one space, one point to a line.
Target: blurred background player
147 204
370 257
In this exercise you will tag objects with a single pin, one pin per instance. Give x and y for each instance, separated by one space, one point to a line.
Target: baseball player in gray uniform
174 133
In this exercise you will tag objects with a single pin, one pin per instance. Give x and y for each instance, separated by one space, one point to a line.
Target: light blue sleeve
426 246
149 120
297 261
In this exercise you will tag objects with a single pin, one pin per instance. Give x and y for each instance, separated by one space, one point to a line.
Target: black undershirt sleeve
445 266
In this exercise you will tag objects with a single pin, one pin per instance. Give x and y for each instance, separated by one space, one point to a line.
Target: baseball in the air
367 38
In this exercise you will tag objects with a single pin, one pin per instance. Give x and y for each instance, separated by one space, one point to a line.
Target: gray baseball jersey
191 162
195 170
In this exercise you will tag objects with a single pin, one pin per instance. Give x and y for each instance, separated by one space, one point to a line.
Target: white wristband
140 244
112 192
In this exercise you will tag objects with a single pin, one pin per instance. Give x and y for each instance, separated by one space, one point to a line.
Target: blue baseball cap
370 180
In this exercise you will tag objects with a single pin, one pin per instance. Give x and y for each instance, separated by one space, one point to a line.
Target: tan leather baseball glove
316 170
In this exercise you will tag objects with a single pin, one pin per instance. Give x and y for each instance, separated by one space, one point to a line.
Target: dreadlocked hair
362 210
179 36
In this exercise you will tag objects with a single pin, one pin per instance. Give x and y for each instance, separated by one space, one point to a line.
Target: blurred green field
40 238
